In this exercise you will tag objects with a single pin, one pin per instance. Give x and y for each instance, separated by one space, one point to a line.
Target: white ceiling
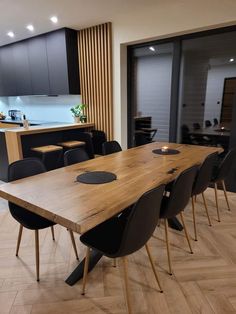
77 14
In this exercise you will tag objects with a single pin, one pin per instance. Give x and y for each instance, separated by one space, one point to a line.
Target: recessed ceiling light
11 34
54 19
152 48
30 27
231 60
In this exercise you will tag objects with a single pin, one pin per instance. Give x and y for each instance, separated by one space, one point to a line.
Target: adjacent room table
56 195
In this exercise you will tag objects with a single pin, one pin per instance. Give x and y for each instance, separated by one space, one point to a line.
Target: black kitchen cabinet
38 62
8 74
62 52
43 65
22 69
57 62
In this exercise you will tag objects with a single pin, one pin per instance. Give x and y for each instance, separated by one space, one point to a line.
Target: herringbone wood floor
204 282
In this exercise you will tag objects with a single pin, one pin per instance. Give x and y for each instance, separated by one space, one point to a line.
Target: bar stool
53 151
72 144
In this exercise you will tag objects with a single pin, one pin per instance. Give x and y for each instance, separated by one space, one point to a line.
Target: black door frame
175 81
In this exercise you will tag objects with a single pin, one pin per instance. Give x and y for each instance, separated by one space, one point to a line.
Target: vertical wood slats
95 57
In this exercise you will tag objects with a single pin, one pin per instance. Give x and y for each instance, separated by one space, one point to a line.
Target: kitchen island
17 143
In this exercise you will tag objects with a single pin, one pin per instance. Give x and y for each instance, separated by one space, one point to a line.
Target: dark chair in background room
98 138
111 147
208 123
141 138
144 125
179 195
220 173
119 237
18 170
201 183
196 126
74 156
215 122
186 137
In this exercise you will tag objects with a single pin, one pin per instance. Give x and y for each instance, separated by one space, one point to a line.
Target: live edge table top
57 196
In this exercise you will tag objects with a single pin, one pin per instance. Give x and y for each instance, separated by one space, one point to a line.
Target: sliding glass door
151 93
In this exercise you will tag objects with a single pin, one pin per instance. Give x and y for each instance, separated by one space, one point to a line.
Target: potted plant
78 113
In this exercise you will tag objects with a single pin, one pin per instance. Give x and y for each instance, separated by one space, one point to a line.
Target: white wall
153 91
42 107
215 86
152 19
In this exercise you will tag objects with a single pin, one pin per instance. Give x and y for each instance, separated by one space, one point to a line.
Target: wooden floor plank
203 282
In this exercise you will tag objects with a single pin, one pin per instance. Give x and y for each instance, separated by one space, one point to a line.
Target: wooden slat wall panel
95 57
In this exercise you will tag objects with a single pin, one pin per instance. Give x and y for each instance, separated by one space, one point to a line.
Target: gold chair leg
74 244
86 265
194 220
114 262
205 204
225 193
168 246
37 253
53 235
217 205
153 266
126 280
186 232
19 239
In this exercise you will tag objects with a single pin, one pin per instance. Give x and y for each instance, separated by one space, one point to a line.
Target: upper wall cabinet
42 65
38 65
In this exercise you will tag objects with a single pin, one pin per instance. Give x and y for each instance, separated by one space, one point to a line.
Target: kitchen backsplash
42 108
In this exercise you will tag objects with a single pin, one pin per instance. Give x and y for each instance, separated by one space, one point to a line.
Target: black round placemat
96 177
168 152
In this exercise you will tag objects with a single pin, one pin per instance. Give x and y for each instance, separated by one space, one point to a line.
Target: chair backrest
87 138
185 134
180 192
225 166
98 138
75 155
25 168
141 139
208 123
215 121
18 170
196 126
141 222
204 174
111 147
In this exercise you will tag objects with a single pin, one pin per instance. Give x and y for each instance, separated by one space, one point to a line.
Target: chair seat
72 144
28 219
106 237
46 149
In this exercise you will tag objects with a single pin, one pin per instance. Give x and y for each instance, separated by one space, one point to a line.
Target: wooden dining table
57 196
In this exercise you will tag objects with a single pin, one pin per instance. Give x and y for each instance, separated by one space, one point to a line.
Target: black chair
141 138
119 237
174 204
220 173
196 126
208 123
18 170
215 122
186 137
73 156
98 138
201 183
111 147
